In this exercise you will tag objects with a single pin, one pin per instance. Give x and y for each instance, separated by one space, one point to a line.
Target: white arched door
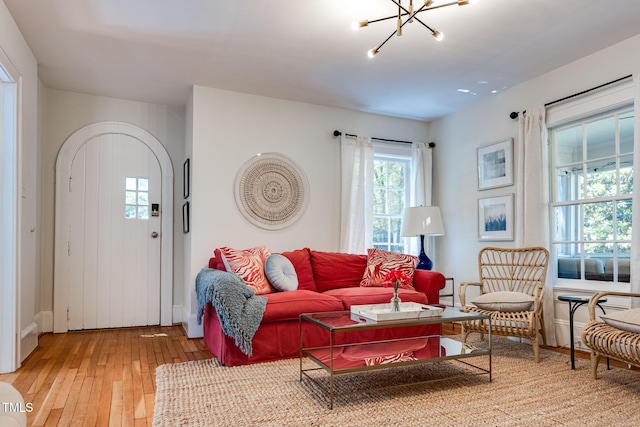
112 230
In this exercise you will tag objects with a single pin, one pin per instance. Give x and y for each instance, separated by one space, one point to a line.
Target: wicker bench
609 341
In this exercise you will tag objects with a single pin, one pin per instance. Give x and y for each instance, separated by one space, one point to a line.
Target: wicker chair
514 271
609 341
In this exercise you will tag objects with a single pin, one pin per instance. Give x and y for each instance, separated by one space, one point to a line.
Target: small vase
395 301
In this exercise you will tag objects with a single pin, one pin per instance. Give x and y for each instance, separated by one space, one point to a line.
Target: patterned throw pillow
249 265
380 262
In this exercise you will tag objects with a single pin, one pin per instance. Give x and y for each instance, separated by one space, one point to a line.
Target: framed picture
186 177
495 165
495 218
185 217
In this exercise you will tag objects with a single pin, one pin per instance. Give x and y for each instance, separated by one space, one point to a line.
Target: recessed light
464 90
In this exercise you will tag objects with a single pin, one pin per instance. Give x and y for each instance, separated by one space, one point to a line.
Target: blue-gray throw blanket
239 309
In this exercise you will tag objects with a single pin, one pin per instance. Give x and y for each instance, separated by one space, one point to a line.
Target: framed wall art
495 218
495 165
186 177
185 217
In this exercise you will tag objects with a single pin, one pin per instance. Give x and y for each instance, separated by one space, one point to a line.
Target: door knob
154 234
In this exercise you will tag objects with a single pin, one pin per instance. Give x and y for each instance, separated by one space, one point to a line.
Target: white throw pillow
627 320
504 301
281 273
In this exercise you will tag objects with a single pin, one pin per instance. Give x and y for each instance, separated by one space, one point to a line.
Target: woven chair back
516 270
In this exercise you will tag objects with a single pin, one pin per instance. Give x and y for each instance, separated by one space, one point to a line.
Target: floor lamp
422 221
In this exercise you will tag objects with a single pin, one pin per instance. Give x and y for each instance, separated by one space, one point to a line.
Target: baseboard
28 340
190 325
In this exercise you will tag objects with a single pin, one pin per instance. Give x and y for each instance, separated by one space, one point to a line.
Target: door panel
114 260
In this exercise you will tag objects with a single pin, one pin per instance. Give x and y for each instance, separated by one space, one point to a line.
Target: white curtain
421 189
532 201
356 221
635 219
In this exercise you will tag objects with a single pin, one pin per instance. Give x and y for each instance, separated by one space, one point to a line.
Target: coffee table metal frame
323 320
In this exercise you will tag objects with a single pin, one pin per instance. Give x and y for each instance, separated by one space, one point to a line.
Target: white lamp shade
422 221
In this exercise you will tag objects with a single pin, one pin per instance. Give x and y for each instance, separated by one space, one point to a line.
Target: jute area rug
522 393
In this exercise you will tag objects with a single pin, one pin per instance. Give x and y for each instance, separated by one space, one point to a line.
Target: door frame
63 175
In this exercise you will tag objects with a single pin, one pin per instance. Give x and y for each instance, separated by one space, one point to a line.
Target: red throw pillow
337 270
302 264
249 265
380 262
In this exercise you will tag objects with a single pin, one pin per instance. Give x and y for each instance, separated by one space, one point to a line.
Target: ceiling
155 50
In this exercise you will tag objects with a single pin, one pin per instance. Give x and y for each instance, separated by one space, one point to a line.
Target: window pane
130 197
602 250
397 248
623 263
130 183
380 227
379 201
143 198
396 224
569 183
601 138
396 175
598 221
626 175
129 211
623 220
379 173
601 179
625 123
568 143
143 184
143 212
396 202
567 222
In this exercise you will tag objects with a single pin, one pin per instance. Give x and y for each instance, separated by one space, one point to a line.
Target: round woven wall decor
271 191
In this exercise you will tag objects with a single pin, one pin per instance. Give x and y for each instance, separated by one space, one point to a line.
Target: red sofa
327 281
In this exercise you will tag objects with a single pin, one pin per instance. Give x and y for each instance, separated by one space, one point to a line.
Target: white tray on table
408 310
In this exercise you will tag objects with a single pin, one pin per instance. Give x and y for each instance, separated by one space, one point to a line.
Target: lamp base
424 263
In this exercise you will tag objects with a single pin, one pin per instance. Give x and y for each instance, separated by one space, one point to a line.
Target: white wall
459 135
16 49
229 128
67 112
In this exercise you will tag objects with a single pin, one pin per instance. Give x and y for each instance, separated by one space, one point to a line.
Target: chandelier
409 15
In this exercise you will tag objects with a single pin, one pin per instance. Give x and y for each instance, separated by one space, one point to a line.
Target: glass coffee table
348 349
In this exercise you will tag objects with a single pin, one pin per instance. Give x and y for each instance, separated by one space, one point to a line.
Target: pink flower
397 279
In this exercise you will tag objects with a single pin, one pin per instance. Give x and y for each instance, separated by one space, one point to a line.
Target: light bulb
437 34
356 25
373 52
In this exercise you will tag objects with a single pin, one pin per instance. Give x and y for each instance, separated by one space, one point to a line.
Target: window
137 198
391 195
592 186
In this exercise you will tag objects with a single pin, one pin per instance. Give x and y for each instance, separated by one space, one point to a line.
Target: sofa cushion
626 320
249 265
380 263
289 305
371 295
504 301
333 270
301 262
281 273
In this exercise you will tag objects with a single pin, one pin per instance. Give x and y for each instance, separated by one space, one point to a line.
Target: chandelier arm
386 40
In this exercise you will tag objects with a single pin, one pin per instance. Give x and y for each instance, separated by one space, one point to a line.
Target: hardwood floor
100 377
107 377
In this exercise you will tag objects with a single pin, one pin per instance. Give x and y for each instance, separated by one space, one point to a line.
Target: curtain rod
514 114
338 133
